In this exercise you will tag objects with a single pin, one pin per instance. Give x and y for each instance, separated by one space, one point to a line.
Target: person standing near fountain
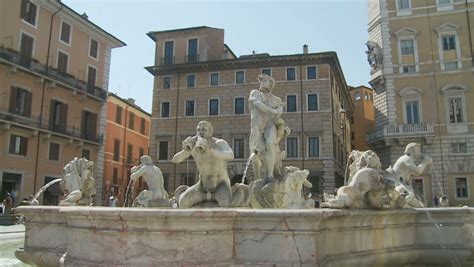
266 130
211 155
154 179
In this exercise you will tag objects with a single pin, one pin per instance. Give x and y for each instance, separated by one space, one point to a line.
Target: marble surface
225 236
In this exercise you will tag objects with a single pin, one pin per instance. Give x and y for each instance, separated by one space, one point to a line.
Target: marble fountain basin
74 236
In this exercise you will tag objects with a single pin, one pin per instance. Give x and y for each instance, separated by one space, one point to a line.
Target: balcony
191 58
47 126
33 65
402 131
167 61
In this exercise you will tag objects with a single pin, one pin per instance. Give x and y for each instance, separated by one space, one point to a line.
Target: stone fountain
370 221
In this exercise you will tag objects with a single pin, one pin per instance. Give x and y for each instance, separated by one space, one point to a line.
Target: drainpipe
124 166
469 30
303 143
176 131
42 99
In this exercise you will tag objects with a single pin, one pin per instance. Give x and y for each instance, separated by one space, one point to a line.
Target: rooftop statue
374 55
270 187
213 187
77 183
155 195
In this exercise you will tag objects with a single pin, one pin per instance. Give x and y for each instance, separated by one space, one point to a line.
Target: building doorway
11 183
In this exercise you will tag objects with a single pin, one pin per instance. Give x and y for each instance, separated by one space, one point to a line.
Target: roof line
152 33
91 23
129 103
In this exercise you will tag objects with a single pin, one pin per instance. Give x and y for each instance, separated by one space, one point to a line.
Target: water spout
44 188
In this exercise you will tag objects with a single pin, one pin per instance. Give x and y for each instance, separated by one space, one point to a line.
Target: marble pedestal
315 237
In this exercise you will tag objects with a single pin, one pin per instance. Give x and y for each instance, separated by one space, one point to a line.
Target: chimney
305 49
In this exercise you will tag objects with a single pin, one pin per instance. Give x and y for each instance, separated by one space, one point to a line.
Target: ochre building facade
54 66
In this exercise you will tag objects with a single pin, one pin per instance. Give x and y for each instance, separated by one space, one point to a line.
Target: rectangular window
292 147
316 182
406 47
163 150
62 62
312 102
91 79
459 148
214 79
239 105
311 73
118 115
267 72
239 148
189 108
290 74
462 190
409 69
54 151
115 176
214 107
451 65
94 49
165 109
141 152
192 51
26 50
240 77
417 184
403 4
58 116
191 81
169 53
449 43
65 33
131 120
455 110
20 101
412 112
89 129
167 82
129 153
445 2
142 125
28 12
116 150
18 145
291 103
313 147
86 153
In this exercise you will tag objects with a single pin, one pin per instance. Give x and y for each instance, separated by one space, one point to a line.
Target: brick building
423 87
198 77
53 89
363 119
127 139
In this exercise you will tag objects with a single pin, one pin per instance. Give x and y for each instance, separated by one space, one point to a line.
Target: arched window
366 96
357 96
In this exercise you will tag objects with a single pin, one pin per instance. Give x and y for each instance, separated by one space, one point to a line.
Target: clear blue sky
275 27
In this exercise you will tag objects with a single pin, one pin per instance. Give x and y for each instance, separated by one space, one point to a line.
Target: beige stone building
422 73
198 77
54 66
